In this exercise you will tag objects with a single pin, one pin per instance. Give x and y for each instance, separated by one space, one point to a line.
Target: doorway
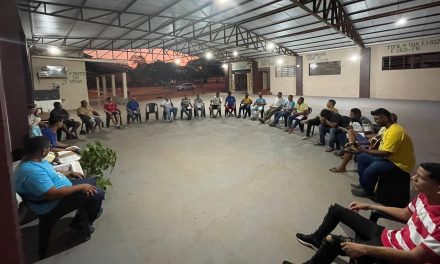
240 81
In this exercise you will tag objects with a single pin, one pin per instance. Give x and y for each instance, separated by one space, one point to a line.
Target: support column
227 76
299 75
124 85
104 85
364 80
256 82
113 85
97 86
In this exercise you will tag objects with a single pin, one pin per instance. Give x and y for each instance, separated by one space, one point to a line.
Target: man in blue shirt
52 194
55 123
285 112
133 111
230 105
258 106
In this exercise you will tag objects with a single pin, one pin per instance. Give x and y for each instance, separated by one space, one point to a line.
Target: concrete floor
224 190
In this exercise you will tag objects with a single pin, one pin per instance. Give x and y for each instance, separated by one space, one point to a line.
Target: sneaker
357 186
336 242
308 241
339 153
360 193
329 149
305 138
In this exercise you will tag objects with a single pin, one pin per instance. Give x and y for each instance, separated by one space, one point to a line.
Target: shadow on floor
62 238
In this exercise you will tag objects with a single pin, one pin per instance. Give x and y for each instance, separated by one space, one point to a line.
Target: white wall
73 89
286 85
344 85
412 84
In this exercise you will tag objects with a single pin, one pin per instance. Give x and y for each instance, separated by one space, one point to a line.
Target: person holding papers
299 113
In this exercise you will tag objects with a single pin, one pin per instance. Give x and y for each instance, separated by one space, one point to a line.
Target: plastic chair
133 116
151 108
107 119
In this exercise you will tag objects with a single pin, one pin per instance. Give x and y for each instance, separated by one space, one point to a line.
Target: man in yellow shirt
394 156
89 116
245 106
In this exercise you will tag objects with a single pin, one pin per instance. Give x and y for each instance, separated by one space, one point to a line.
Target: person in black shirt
330 123
69 125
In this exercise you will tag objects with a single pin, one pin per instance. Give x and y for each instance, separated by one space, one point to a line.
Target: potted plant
95 160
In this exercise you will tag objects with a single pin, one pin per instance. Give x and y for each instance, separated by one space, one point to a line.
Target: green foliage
95 160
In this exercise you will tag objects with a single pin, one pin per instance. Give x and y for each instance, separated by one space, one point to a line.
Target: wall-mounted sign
243 65
317 56
76 77
413 46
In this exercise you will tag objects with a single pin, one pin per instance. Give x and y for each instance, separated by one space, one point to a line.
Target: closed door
240 82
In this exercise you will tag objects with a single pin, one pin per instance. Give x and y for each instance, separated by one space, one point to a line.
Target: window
411 61
285 71
325 68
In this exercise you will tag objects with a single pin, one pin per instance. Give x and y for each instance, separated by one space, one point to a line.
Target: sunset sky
150 55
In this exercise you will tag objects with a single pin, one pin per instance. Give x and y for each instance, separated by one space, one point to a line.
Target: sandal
334 169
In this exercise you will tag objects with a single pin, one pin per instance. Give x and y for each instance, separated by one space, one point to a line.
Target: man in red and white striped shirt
417 242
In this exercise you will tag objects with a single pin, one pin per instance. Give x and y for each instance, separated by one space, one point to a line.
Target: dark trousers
188 112
370 168
87 211
367 232
246 109
310 123
280 114
323 130
293 122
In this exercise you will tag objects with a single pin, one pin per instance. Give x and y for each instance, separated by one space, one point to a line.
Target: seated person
395 155
199 105
89 116
375 140
112 111
299 113
416 242
357 131
275 107
169 109
70 126
55 123
133 109
245 106
34 122
230 107
216 103
258 106
52 194
285 112
186 107
316 121
330 123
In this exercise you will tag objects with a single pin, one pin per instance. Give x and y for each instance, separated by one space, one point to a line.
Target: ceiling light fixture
270 46
177 62
209 55
235 53
354 57
402 21
54 50
225 66
280 61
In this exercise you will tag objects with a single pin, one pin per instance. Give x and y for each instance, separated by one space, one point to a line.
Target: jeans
280 114
367 232
370 168
323 130
170 110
